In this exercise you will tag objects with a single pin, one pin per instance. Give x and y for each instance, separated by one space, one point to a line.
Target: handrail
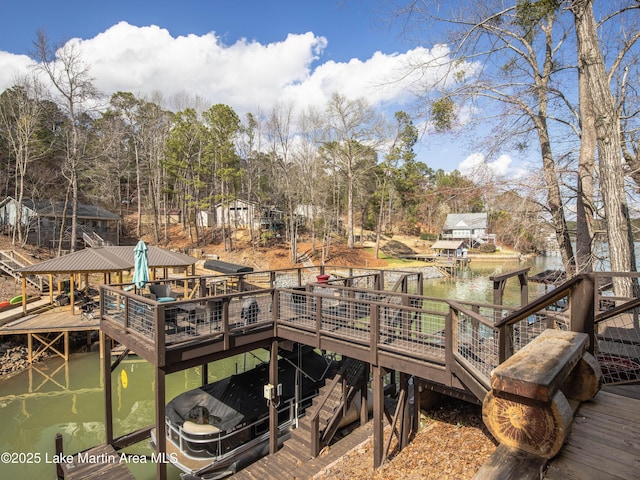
607 314
541 302
337 379
476 316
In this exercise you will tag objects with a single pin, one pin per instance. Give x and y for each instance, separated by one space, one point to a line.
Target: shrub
487 248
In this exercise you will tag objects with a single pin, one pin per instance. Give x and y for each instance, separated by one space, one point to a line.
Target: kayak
4 304
15 300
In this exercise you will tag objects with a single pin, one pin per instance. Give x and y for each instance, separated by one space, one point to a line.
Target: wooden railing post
374 332
159 334
226 337
450 329
582 310
505 344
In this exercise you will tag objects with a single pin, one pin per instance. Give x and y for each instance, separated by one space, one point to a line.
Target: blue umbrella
141 265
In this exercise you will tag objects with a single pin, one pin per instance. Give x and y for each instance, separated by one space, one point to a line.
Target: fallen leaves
452 443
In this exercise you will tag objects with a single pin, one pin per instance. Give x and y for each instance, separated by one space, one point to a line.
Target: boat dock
293 463
99 462
382 323
44 330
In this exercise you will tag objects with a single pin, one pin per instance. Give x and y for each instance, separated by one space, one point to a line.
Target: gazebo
107 260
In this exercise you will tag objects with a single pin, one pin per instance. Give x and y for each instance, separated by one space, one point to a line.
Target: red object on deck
323 278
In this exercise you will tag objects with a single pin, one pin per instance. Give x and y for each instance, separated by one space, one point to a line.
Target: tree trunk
586 171
554 198
607 129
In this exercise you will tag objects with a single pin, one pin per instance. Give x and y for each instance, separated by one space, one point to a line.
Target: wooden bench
535 393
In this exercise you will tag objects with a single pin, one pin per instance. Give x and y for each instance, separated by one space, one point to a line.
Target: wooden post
72 297
105 352
378 415
524 288
66 346
364 397
24 294
185 283
161 426
51 287
273 410
205 374
582 311
29 347
405 425
59 454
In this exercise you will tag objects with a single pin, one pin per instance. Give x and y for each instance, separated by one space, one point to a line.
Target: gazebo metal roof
108 259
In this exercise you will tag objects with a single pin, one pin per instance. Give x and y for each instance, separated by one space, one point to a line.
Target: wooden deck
99 462
56 320
15 312
45 330
289 463
604 443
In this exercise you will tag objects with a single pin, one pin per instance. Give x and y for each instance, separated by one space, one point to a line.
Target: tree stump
534 427
536 391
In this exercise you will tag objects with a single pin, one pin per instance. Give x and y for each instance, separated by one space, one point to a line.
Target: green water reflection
57 398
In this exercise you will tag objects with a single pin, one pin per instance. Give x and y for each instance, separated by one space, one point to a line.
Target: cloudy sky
248 54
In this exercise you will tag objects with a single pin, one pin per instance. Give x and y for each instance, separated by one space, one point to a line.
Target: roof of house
46 208
465 221
108 259
447 244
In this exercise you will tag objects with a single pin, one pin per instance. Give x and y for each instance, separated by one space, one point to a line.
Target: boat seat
193 428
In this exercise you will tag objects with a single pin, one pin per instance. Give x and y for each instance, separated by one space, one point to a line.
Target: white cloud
478 168
12 67
246 75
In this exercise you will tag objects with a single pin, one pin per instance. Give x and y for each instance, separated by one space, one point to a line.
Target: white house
242 214
471 227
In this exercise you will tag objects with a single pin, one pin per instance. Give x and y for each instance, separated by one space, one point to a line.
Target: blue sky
353 27
247 54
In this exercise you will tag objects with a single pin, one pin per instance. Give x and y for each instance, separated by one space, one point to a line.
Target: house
470 227
42 221
242 214
450 248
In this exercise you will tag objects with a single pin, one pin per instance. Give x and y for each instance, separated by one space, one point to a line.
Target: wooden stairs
295 460
10 261
323 419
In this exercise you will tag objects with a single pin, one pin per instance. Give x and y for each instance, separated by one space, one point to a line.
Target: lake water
56 398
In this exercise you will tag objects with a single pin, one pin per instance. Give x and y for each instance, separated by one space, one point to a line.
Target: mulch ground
452 444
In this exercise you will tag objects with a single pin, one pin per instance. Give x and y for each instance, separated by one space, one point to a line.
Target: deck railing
456 335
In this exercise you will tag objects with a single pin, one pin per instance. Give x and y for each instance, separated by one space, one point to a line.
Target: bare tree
354 131
21 109
279 132
69 76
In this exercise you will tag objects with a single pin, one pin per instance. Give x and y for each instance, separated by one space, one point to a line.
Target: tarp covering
226 267
238 399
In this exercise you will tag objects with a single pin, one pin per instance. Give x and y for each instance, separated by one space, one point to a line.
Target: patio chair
162 292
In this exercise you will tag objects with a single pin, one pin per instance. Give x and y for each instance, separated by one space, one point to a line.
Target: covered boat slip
379 318
224 425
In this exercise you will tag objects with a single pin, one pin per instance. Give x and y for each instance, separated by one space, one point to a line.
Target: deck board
285 465
57 320
110 468
604 443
